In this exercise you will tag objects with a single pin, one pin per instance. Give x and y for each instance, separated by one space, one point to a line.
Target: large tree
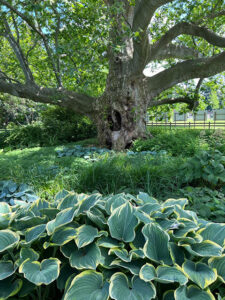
89 56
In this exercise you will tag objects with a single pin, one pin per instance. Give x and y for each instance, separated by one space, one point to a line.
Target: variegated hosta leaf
218 263
114 201
86 234
5 208
88 257
156 247
185 227
88 285
214 232
9 288
121 253
64 217
182 202
122 223
144 198
108 242
65 272
97 217
5 220
40 273
199 273
6 269
121 288
61 236
149 208
61 195
192 293
185 214
26 253
70 200
28 222
147 272
106 259
34 233
143 217
134 266
8 239
167 274
87 203
177 253
204 249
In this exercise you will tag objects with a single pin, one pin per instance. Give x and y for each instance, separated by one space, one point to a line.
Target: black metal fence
193 124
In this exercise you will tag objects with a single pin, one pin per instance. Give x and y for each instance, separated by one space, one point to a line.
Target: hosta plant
116 247
11 192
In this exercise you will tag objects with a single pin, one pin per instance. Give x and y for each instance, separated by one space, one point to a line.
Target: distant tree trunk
121 112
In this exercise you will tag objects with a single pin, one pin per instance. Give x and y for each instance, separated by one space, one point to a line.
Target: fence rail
194 124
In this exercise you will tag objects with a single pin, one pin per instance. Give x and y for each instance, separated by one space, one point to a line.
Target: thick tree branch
176 51
190 69
189 29
187 100
144 11
77 102
18 52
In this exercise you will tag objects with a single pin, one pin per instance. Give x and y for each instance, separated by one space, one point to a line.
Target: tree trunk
121 113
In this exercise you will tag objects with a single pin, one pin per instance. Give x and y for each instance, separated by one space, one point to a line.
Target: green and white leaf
122 223
8 239
156 247
86 234
147 272
168 274
218 263
64 217
6 269
192 293
88 285
9 288
41 273
34 233
121 289
199 273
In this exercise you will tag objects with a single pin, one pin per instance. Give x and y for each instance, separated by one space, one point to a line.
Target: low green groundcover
89 247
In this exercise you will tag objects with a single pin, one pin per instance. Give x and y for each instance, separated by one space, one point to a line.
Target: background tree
89 56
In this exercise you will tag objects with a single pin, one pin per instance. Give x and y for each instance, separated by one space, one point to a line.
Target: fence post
170 126
209 125
189 125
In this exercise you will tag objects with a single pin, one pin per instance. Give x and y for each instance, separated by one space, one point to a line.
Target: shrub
119 246
206 166
32 135
207 203
57 126
66 125
176 142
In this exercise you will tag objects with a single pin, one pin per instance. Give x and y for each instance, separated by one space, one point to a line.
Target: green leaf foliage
133 248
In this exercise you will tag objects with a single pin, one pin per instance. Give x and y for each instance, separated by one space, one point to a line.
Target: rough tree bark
120 111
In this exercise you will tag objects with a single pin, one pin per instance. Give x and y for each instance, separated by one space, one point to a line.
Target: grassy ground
41 168
159 176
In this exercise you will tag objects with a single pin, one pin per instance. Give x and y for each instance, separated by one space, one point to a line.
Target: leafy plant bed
209 204
94 152
115 247
12 193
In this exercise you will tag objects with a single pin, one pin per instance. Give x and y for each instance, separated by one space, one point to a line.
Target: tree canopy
63 51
